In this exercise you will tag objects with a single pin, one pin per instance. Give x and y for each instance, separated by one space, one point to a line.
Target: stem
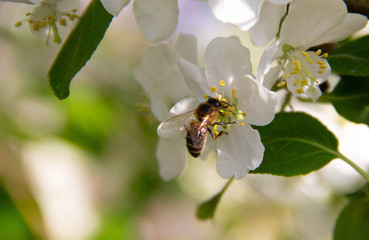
286 101
356 167
227 185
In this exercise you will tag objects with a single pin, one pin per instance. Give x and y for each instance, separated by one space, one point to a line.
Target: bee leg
215 136
223 124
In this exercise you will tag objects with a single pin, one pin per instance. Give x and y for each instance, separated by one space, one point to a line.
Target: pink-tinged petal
226 59
239 152
309 20
157 19
353 23
267 27
195 79
114 6
186 47
171 157
239 12
255 100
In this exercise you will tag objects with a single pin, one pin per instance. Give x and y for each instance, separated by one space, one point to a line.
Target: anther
286 76
205 96
234 93
62 22
244 114
281 84
296 82
317 53
222 83
299 91
320 62
321 71
18 24
304 54
242 124
213 89
325 55
322 66
310 61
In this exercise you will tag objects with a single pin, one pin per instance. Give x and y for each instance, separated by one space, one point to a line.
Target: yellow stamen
303 82
216 133
320 62
299 91
219 97
244 114
304 53
214 89
18 24
286 76
321 71
242 124
222 83
325 55
205 96
231 108
317 53
228 114
62 22
295 82
234 93
322 66
281 84
294 71
310 61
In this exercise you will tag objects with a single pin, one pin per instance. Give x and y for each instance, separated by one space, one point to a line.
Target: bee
197 123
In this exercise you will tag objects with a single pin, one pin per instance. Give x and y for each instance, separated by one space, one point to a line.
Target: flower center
230 113
46 16
303 68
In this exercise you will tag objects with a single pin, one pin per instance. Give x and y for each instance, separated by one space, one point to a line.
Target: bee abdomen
195 146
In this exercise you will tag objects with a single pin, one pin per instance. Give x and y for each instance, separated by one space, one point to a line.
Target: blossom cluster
177 85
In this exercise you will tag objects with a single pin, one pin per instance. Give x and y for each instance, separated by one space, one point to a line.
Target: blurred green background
85 167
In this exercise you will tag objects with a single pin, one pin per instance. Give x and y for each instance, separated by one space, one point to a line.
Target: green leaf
295 144
349 65
352 59
78 48
353 221
206 210
350 98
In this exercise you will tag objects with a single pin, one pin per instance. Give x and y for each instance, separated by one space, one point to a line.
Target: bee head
216 103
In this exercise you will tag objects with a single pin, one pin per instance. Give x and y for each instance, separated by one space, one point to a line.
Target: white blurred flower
261 17
47 15
308 23
227 77
157 19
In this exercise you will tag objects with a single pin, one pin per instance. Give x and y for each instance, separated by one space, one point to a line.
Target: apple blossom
308 23
256 16
227 77
157 19
47 15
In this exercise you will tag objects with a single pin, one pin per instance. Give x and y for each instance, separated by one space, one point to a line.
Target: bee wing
179 122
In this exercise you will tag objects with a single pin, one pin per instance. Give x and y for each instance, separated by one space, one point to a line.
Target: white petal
184 106
157 19
114 6
255 100
309 20
269 54
159 75
195 79
272 76
352 23
239 151
171 157
20 1
159 108
186 47
226 59
244 12
279 1
267 27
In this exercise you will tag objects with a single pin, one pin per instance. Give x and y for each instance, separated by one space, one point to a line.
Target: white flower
160 77
47 15
260 17
227 77
156 19
308 23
